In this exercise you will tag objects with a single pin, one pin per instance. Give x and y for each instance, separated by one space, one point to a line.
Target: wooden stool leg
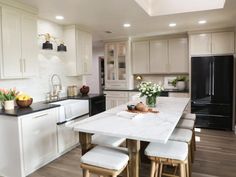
190 157
182 170
188 174
160 170
85 173
125 172
153 166
194 140
156 169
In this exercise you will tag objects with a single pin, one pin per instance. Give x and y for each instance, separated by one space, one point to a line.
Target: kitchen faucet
56 87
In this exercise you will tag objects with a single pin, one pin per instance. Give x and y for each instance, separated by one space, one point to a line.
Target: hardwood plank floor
215 157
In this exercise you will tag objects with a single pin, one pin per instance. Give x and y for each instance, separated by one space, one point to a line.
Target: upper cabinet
200 44
178 55
140 57
215 43
79 51
19 44
223 43
160 56
116 65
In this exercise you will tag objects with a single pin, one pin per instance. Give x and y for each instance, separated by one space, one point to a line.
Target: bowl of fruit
24 101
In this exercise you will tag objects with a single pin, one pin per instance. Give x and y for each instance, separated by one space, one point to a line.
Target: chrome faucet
56 87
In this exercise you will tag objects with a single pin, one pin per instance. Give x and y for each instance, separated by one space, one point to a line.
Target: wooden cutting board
137 111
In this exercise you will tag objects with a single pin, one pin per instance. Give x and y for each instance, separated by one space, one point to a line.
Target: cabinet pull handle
24 65
40 116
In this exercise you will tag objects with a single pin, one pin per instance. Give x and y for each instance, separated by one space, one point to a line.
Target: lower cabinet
67 137
39 139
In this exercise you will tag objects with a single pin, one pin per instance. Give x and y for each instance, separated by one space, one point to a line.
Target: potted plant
180 82
7 98
151 91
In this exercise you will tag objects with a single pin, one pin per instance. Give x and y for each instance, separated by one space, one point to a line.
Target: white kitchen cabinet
159 62
116 98
79 51
140 57
223 43
39 139
19 44
67 137
200 44
214 43
116 63
178 55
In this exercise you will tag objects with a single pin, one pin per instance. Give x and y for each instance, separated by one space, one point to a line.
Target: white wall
49 62
93 80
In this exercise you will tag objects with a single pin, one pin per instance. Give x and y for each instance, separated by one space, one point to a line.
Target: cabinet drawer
116 85
116 94
179 95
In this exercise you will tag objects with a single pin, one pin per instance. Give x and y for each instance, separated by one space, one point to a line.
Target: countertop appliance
212 91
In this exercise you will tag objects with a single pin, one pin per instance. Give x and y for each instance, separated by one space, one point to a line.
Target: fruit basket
24 101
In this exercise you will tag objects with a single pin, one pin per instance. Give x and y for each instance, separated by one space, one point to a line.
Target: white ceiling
103 15
167 7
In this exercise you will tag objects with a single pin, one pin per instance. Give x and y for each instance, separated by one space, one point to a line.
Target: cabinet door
84 52
121 61
200 44
66 137
110 103
11 36
110 61
159 56
29 45
39 138
88 53
223 43
178 55
140 57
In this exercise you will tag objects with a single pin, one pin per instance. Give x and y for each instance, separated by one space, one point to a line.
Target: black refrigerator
212 91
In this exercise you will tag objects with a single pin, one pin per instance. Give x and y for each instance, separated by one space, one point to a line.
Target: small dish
131 107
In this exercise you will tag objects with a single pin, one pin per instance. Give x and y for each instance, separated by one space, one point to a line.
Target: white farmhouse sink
71 109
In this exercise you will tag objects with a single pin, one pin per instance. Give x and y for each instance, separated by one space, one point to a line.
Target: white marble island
147 127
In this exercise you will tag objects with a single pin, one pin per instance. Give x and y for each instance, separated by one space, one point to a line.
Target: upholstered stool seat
185 123
172 153
104 140
171 150
104 161
189 116
183 135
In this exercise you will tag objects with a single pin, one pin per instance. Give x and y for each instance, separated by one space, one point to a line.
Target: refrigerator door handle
210 79
213 79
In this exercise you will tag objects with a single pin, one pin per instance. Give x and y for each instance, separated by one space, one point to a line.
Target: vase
8 105
181 85
151 101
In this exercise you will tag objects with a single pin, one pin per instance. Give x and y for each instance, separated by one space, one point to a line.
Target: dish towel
128 115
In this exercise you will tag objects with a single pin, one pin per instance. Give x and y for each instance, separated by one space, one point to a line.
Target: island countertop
151 127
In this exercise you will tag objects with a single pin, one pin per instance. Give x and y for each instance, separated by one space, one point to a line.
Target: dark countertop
41 106
35 107
136 90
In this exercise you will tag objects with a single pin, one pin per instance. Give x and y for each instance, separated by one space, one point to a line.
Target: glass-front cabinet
116 65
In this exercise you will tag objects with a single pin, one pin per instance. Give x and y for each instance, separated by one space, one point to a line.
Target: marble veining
151 127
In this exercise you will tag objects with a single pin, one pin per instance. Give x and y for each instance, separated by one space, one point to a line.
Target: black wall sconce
61 47
49 46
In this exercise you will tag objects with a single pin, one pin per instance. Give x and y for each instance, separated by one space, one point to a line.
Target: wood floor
215 157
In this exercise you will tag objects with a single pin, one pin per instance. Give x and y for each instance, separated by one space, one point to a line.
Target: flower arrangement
150 89
8 94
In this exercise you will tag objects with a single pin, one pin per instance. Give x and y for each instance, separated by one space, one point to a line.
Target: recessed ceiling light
127 25
172 24
59 17
202 22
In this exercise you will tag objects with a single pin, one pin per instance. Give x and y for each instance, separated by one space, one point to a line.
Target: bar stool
188 124
172 153
105 161
189 116
104 140
184 135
